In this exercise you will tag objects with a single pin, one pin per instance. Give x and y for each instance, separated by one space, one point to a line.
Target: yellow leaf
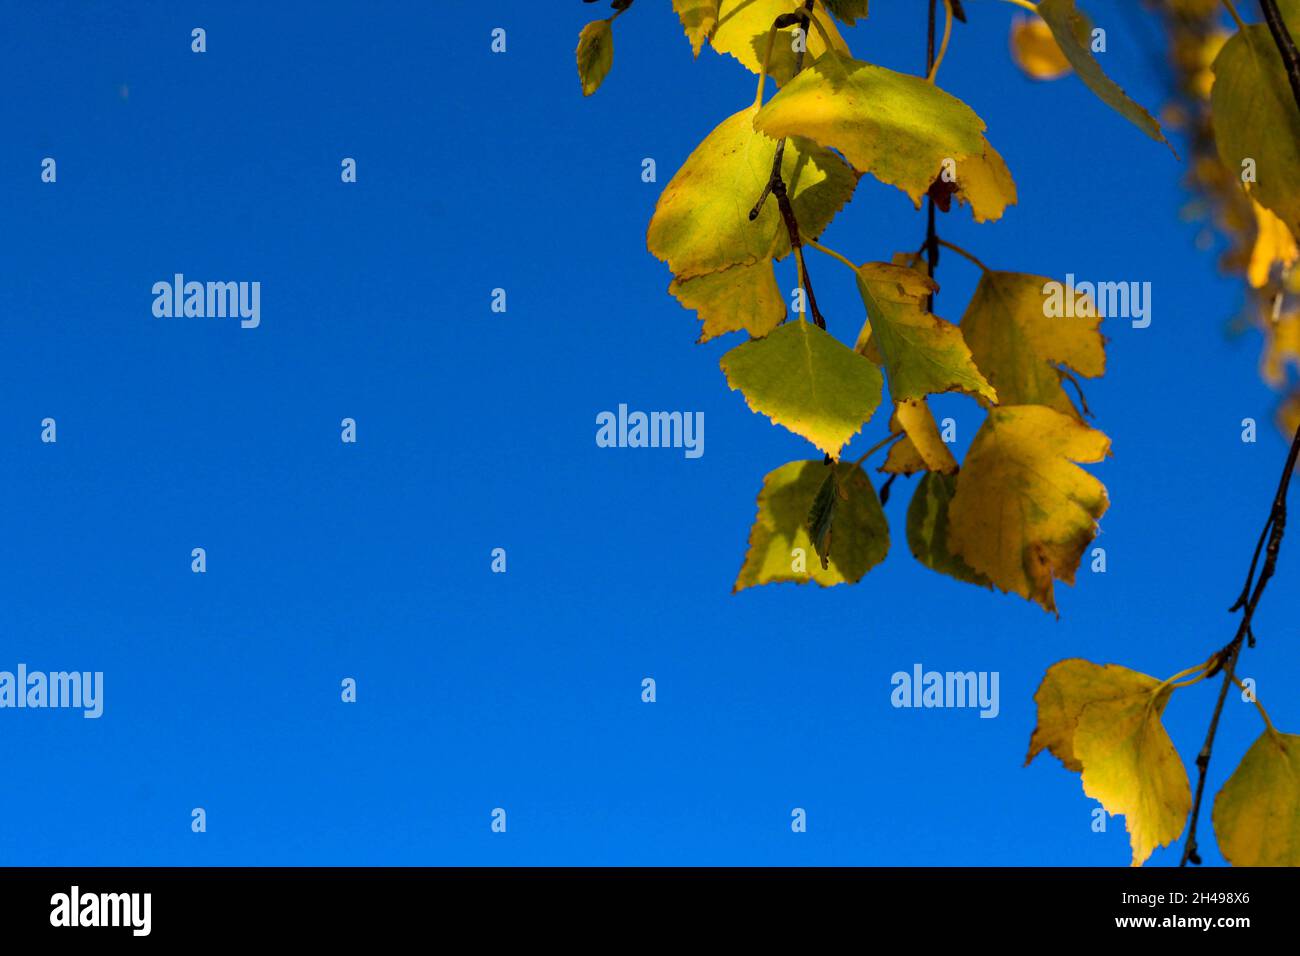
737 298
780 547
701 223
1257 813
922 354
1273 243
921 448
595 54
898 127
1016 344
1281 348
698 17
1022 513
808 381
1105 722
1035 51
984 183
743 27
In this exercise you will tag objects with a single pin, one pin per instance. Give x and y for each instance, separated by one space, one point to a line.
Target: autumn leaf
1073 33
1023 513
701 222
1273 243
698 17
1017 345
1104 721
780 547
743 297
850 11
921 448
1256 120
921 353
808 381
927 529
595 54
1257 813
1282 350
821 517
743 28
898 127
984 183
1035 49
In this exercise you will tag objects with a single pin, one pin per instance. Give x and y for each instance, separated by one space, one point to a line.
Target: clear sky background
476 430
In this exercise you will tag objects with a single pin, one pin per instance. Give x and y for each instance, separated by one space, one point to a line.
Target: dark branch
1285 45
1270 543
931 237
775 185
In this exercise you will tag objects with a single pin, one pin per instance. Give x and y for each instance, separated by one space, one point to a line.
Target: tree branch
931 237
1269 544
1285 45
776 183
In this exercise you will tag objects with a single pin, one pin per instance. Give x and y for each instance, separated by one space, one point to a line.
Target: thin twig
1270 543
931 237
1285 45
776 187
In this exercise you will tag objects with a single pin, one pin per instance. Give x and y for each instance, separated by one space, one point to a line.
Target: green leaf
1017 343
898 127
808 381
701 222
922 353
1257 813
1073 33
821 516
850 11
779 542
1256 117
595 54
927 529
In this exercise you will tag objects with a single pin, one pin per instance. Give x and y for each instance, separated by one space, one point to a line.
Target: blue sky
476 431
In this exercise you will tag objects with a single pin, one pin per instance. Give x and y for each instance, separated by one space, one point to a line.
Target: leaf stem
1025 5
1235 15
812 243
1255 700
887 440
1201 668
964 254
943 46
